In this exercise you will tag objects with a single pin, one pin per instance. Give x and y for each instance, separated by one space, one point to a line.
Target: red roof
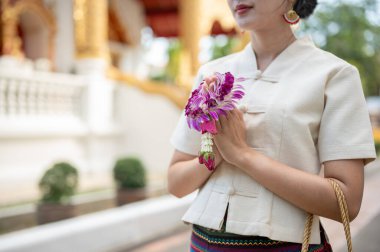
163 18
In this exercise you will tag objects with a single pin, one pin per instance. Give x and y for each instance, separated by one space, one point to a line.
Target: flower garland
206 104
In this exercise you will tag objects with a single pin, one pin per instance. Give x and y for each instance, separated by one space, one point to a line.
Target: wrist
243 157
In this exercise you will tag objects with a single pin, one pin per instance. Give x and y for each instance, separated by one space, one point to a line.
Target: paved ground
179 242
365 229
368 240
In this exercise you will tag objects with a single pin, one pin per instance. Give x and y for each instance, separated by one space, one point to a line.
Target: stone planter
50 212
125 196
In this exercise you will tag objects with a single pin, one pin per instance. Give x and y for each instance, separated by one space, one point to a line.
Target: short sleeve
345 130
183 138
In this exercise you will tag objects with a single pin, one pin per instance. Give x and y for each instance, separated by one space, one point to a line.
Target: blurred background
90 92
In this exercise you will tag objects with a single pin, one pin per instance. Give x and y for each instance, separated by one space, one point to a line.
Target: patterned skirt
209 240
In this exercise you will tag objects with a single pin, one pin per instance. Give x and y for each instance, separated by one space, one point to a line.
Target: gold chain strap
307 233
343 213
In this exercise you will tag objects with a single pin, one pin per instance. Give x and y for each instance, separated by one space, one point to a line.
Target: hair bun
305 8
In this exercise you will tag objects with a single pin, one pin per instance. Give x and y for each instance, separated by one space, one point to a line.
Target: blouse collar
247 64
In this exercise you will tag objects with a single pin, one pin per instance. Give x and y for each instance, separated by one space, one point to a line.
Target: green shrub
377 147
129 173
59 183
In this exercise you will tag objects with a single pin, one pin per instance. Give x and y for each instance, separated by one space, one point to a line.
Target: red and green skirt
206 240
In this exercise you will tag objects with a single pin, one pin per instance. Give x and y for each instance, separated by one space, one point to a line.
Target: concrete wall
109 230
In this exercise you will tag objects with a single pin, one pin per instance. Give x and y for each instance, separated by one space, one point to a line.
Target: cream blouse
306 108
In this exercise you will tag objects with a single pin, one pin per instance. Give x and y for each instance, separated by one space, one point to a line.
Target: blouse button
243 108
231 191
258 74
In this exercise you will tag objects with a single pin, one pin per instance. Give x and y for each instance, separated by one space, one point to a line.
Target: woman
303 108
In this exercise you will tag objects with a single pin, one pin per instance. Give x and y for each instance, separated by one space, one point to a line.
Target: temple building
74 85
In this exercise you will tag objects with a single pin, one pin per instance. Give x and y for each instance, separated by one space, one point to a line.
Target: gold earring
291 17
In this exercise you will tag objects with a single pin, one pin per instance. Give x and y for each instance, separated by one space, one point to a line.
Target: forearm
186 176
307 191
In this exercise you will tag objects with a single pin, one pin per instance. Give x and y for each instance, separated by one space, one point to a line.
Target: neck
269 43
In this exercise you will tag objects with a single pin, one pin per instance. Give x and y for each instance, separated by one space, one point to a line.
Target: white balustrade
40 95
29 101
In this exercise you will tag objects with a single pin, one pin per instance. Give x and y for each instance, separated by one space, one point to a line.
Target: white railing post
3 88
40 102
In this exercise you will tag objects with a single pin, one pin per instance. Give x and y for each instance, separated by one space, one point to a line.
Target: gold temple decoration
174 93
197 18
212 11
221 13
11 43
91 39
190 35
116 30
91 34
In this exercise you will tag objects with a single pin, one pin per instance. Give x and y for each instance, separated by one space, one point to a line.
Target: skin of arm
186 174
307 191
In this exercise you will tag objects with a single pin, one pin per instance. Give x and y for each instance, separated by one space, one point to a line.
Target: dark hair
305 8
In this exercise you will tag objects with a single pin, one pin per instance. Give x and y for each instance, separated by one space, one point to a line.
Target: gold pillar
190 35
91 23
10 41
215 10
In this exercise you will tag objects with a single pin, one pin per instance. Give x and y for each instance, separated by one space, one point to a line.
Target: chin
248 26
247 23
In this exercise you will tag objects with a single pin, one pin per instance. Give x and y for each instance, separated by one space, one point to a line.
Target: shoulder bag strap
344 215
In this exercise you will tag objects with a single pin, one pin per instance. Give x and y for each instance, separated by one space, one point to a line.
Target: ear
286 6
290 4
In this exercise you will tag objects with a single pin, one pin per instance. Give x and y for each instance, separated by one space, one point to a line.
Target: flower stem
206 155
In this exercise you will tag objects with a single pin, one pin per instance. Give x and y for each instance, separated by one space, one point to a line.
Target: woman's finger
218 125
223 119
207 80
228 114
233 114
240 115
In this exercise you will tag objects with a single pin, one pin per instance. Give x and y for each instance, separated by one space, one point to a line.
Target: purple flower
207 103
228 81
208 159
209 126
